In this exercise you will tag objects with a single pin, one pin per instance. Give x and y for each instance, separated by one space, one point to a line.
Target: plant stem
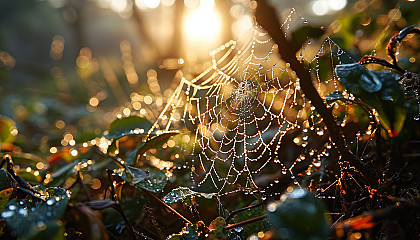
117 206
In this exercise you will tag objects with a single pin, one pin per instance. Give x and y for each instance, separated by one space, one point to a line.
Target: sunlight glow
337 4
242 26
320 8
203 23
119 5
323 7
168 2
152 3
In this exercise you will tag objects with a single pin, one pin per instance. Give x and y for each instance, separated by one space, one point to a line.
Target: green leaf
182 193
174 237
299 215
252 228
51 230
29 176
379 90
147 178
216 226
26 217
3 180
190 232
135 175
6 127
4 197
355 77
128 126
25 158
153 142
334 96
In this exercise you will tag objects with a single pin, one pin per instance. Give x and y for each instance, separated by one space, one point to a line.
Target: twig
106 155
166 206
267 18
246 222
119 209
235 212
369 220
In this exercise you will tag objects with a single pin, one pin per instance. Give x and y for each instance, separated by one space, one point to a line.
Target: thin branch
246 222
166 206
116 160
369 220
119 209
267 18
235 212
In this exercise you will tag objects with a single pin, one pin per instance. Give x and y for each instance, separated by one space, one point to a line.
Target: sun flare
202 25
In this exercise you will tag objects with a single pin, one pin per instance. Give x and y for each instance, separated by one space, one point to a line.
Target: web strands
239 110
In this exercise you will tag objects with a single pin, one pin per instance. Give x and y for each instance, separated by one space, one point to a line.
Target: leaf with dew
379 90
182 193
147 178
153 142
128 126
26 216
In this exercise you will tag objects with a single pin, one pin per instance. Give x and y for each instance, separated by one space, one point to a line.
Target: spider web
239 109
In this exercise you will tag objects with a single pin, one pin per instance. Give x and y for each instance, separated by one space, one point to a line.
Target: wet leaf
236 234
379 90
52 230
299 215
182 193
4 197
216 226
6 127
135 175
127 126
3 180
147 178
355 77
334 96
29 176
153 142
174 237
25 216
25 158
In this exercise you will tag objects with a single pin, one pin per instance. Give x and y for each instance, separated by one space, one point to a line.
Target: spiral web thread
239 109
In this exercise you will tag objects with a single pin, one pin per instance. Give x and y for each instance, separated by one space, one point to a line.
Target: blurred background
69 67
